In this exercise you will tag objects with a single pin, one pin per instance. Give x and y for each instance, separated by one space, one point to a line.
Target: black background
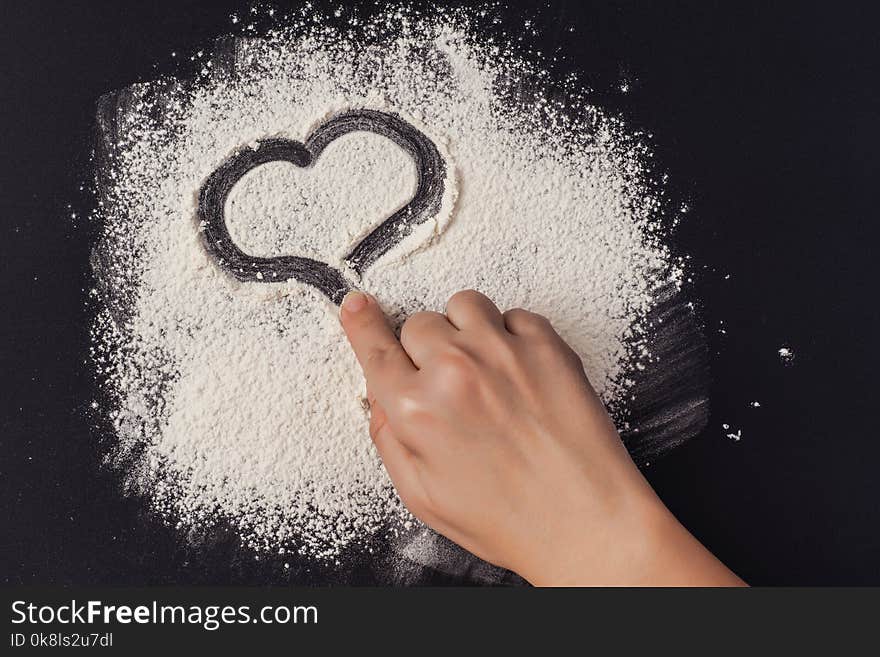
765 118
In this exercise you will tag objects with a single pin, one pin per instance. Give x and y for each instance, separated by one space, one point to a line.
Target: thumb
385 364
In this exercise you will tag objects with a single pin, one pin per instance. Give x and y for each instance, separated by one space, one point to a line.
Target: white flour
242 401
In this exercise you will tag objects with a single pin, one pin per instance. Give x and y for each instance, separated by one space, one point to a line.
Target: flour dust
241 402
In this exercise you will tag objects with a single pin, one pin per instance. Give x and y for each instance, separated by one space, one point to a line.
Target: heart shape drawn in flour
430 172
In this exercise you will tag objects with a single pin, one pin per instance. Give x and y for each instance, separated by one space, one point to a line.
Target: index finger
383 360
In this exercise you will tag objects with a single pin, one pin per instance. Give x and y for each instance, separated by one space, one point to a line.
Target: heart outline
425 203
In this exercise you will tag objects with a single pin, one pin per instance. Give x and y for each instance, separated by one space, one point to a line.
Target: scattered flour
241 402
786 355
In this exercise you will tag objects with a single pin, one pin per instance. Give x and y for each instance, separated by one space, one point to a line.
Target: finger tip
354 301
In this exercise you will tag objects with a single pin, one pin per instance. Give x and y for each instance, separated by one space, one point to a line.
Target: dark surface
766 121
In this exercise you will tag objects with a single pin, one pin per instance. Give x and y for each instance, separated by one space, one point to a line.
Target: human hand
493 436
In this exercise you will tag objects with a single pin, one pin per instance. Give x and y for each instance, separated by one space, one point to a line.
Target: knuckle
517 314
525 321
467 296
539 322
408 326
417 321
457 377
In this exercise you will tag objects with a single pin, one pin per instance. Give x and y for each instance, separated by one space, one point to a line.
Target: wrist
614 545
676 558
639 543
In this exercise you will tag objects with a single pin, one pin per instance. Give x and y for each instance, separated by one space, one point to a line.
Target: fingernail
354 301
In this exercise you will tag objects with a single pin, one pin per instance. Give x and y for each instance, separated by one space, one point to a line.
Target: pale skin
494 437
